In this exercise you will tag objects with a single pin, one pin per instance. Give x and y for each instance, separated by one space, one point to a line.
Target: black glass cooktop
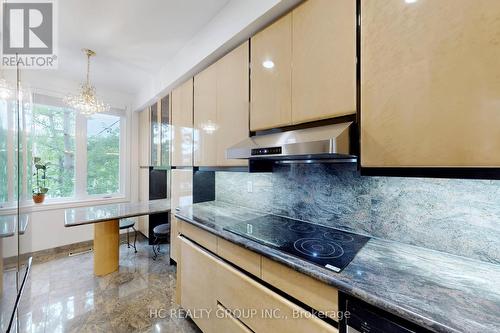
331 248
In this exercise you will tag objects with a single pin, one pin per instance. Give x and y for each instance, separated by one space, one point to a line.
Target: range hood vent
330 143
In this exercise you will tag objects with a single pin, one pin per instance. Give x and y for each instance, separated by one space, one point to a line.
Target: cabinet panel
324 59
182 195
431 98
144 157
144 162
182 124
196 275
240 293
271 76
165 130
229 324
200 236
241 257
143 224
205 117
312 292
232 102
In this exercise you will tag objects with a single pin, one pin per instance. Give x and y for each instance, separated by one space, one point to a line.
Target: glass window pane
103 154
3 152
53 141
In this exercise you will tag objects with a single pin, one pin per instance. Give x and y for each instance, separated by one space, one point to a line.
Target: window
85 156
4 195
53 141
103 154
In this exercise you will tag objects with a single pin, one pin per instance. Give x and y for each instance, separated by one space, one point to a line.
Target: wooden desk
106 230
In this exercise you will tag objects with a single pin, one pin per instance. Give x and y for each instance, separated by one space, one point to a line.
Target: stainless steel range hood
330 142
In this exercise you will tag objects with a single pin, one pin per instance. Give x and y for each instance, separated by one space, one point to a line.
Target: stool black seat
126 224
160 232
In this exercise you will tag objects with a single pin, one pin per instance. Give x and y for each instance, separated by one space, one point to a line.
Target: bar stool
160 232
127 224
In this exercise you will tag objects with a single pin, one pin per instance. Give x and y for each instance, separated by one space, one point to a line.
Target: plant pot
39 198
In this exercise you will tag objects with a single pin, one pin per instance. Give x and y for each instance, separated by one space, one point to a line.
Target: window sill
28 207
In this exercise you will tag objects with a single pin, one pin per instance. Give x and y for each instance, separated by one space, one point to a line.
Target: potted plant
40 189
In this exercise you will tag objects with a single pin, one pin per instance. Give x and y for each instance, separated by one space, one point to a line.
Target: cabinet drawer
314 293
229 324
195 279
174 232
200 236
241 257
272 313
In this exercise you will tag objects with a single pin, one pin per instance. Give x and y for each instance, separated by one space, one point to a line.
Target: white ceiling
132 38
145 47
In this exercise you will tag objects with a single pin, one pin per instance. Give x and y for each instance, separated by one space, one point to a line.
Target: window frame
80 196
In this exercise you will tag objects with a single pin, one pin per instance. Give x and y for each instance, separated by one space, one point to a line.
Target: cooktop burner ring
318 248
303 228
338 236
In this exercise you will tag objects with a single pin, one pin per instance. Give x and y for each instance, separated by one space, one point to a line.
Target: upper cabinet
182 124
144 138
205 117
164 104
304 65
154 134
271 84
221 108
324 60
154 127
430 86
232 102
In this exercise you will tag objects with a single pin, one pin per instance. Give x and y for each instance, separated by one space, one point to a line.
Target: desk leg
106 247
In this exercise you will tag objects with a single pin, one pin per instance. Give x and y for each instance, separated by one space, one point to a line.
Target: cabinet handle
221 306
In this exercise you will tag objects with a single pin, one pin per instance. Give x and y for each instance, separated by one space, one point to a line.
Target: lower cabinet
221 298
196 276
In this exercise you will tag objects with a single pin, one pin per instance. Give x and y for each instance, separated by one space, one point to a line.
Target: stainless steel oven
361 317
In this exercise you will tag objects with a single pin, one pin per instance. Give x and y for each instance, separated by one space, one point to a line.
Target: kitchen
286 166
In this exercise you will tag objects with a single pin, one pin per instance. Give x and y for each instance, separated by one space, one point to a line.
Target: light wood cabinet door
324 59
228 323
241 257
271 76
431 99
198 235
197 277
241 294
205 117
143 224
144 162
182 124
181 195
312 292
144 138
232 102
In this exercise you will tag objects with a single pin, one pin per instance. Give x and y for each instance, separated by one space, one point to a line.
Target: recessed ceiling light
268 64
411 1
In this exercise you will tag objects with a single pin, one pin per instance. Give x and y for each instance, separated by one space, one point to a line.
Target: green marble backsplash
457 216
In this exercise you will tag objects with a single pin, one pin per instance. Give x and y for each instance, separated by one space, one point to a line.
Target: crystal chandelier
86 101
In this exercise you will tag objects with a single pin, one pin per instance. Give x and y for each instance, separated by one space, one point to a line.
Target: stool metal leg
135 238
128 238
155 255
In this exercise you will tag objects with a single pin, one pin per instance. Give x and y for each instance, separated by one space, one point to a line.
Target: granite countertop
101 213
8 224
436 290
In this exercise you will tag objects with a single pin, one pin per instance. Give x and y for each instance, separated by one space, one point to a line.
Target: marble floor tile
63 295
